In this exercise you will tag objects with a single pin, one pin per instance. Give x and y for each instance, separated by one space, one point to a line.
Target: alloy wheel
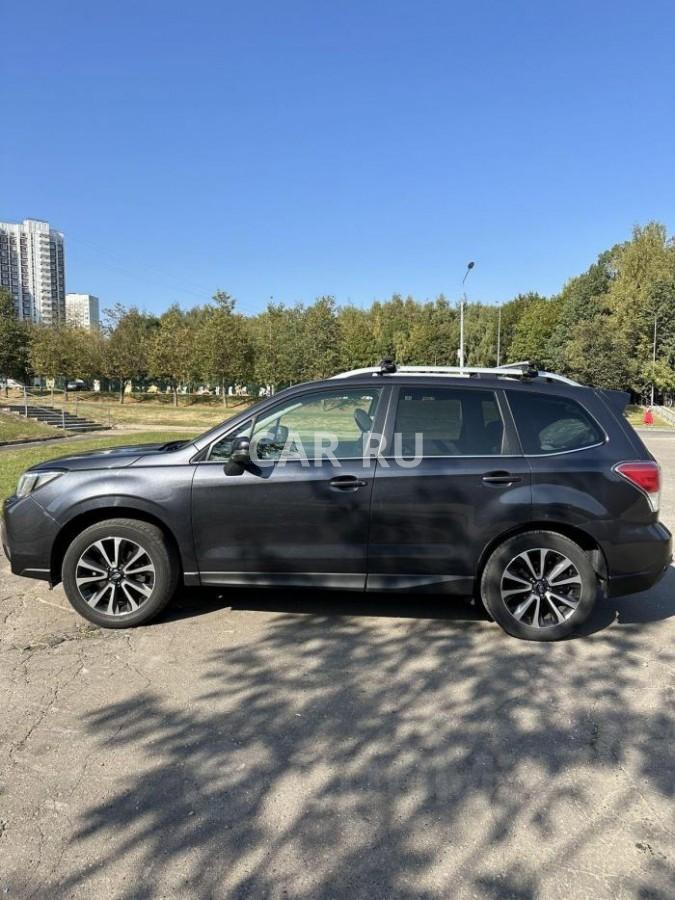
115 576
541 587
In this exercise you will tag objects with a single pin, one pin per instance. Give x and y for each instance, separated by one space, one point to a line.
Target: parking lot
318 745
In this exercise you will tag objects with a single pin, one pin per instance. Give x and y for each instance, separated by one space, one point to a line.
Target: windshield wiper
173 445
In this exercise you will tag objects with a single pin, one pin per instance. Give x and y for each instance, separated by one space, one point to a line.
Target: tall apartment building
82 310
32 270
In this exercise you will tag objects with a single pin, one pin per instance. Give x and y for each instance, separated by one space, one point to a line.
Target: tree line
612 326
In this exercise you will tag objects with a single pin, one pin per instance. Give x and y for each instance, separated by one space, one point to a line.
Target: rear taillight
644 475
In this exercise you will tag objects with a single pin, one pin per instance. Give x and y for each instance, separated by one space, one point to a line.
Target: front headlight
31 481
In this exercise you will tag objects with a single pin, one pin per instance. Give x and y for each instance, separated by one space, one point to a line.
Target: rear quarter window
553 424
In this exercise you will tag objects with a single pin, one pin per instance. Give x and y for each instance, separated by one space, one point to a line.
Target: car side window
304 427
222 450
552 424
447 422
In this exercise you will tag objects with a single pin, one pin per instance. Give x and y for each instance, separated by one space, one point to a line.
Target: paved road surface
329 746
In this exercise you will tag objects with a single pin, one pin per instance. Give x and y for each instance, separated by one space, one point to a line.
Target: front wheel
539 586
119 573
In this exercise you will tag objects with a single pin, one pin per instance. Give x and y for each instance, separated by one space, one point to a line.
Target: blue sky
292 149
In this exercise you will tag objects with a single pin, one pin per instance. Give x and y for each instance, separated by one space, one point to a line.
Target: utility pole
499 336
469 267
654 359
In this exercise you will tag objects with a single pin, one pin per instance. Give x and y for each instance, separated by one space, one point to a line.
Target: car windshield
250 410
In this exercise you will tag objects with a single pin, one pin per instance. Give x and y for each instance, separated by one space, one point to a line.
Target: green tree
223 339
128 345
647 259
512 311
47 355
171 353
480 334
392 326
357 343
278 339
532 333
426 334
654 330
444 339
597 354
14 341
642 295
321 332
658 373
65 351
582 299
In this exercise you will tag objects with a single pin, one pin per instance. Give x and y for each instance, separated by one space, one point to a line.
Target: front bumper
28 534
3 539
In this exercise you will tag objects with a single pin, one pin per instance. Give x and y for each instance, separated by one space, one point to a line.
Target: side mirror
241 451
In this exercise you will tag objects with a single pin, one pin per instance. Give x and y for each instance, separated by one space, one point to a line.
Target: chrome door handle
501 478
346 483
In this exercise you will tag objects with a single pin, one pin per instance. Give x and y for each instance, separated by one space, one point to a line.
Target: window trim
584 409
224 437
378 421
566 452
511 447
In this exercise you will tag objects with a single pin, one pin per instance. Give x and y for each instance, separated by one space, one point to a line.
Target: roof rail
519 370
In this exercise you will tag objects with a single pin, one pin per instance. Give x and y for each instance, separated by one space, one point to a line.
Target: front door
298 515
451 479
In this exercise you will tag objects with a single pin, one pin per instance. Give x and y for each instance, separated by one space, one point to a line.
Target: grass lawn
14 462
16 428
199 416
107 410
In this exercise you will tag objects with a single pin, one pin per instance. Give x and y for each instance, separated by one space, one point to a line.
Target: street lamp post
469 267
499 336
654 359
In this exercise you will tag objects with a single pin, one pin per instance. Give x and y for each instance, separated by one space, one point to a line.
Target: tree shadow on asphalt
361 746
337 753
200 601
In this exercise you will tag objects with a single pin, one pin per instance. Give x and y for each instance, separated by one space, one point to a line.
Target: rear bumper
656 554
633 584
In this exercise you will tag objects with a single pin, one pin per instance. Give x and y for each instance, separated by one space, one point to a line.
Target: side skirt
434 584
348 581
458 585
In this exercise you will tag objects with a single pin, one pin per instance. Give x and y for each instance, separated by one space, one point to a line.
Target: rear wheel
119 573
539 586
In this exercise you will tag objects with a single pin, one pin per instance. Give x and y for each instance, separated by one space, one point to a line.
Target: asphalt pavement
316 745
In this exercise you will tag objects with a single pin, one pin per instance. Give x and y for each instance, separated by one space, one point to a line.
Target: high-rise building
82 310
32 270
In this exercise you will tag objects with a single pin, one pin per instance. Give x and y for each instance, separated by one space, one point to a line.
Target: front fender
159 495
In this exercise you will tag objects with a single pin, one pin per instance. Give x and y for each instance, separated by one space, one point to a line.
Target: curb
39 440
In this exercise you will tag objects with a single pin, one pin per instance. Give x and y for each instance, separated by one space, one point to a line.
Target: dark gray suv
521 487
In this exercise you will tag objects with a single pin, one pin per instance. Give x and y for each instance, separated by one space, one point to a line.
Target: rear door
450 478
572 447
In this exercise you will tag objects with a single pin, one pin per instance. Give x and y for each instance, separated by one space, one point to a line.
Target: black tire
506 573
160 586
